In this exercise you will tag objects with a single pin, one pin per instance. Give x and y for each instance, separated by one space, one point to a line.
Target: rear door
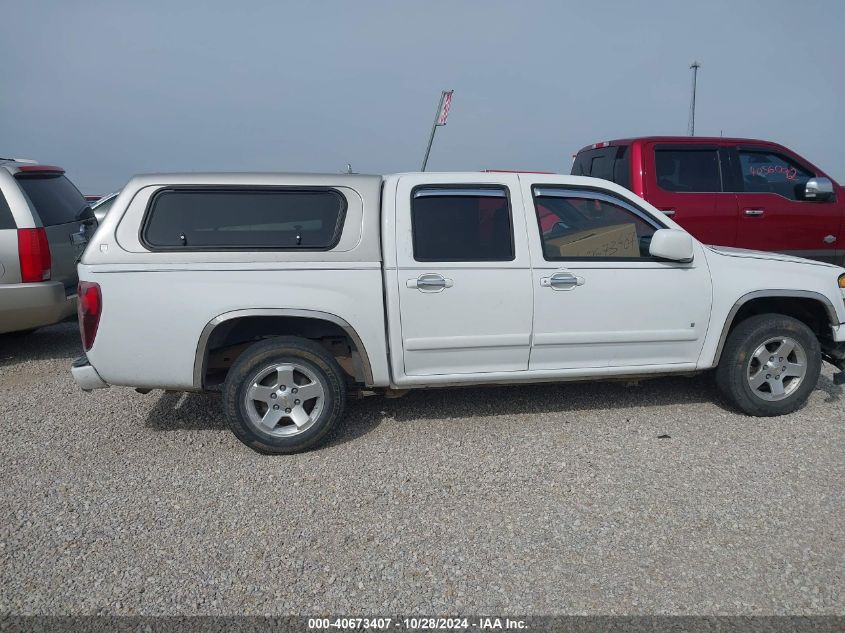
684 181
66 216
773 215
463 274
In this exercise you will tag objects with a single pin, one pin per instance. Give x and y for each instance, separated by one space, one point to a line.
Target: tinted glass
601 166
622 167
688 170
54 198
453 225
610 163
574 227
245 219
764 172
6 219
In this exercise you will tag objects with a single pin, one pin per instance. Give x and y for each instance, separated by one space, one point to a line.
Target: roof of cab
252 178
286 178
686 140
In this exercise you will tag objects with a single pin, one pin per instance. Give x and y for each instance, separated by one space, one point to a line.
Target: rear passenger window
244 219
6 219
54 198
461 224
688 170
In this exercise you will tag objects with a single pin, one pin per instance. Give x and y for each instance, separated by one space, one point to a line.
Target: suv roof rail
28 161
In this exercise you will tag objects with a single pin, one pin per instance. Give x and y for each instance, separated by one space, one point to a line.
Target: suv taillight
34 254
89 306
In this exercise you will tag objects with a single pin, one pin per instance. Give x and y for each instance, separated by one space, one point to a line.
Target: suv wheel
770 365
283 395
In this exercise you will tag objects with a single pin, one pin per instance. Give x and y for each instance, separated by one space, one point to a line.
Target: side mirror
818 189
673 245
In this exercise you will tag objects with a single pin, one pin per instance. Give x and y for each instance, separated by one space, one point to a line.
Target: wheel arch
315 316
767 300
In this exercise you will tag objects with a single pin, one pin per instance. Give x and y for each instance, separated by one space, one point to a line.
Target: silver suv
45 224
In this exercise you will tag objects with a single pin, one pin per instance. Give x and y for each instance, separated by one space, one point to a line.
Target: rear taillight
34 254
89 306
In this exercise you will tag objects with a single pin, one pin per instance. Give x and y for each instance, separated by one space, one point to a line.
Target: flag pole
433 129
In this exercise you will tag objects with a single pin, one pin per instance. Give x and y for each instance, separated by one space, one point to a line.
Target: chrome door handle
562 281
430 282
829 239
754 212
668 212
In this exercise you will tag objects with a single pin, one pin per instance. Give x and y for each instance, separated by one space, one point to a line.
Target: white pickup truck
290 291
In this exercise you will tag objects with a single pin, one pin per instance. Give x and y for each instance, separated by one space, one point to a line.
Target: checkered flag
445 104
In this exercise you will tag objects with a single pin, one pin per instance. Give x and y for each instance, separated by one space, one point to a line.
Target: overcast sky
110 89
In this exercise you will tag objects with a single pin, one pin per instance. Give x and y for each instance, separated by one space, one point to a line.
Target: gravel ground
530 500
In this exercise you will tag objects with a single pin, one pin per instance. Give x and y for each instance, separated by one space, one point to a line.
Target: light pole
694 67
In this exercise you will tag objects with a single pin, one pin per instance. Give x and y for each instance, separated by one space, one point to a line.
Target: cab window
610 163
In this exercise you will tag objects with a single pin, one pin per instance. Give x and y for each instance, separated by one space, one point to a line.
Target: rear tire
283 395
770 365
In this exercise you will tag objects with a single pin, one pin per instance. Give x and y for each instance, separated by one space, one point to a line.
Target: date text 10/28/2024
416 623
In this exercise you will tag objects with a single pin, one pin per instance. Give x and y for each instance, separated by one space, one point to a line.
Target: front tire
283 395
770 365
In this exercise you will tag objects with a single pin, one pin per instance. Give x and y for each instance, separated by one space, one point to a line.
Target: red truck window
610 163
766 172
688 170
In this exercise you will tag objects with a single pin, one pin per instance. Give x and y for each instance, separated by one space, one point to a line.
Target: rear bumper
86 376
25 306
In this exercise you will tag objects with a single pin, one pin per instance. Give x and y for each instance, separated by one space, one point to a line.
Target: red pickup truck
729 191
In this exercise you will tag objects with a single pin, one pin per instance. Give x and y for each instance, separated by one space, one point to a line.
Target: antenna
694 67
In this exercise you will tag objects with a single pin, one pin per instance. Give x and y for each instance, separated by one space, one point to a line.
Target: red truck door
773 214
685 182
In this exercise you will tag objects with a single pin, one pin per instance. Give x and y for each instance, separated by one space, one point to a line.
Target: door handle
668 212
754 212
562 281
430 282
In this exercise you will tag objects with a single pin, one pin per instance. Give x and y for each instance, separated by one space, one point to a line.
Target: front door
463 272
600 299
773 214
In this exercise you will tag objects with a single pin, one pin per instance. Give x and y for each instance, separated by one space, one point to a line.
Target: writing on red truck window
789 173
